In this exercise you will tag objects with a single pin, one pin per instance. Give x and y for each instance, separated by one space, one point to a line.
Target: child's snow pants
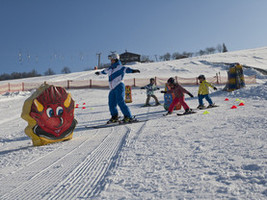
201 97
117 97
177 100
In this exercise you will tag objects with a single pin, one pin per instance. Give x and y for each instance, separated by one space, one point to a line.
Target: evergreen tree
224 48
65 70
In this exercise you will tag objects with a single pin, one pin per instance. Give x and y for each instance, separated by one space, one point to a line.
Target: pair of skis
118 123
193 111
121 122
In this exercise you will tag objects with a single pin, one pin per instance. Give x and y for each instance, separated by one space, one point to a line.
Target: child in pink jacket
178 91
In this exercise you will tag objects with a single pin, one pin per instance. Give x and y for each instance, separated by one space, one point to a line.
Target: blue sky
42 34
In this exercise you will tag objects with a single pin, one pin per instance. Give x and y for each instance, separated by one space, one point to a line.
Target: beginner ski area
218 154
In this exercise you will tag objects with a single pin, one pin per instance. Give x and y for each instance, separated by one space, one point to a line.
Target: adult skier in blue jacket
116 96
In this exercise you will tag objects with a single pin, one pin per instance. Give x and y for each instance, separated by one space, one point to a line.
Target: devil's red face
53 111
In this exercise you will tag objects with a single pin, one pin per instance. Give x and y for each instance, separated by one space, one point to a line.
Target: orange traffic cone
241 104
226 99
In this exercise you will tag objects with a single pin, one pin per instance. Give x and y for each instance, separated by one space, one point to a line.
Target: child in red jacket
178 91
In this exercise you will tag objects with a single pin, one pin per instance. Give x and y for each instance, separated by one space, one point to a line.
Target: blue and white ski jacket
116 73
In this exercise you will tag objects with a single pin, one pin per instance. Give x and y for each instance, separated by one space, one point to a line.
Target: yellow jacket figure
203 92
204 87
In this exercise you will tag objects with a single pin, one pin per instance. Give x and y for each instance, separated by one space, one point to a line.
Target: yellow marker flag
206 112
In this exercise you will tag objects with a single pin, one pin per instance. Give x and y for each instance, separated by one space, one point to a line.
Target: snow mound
253 92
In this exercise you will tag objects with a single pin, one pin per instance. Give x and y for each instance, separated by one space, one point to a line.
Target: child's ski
188 113
214 106
153 105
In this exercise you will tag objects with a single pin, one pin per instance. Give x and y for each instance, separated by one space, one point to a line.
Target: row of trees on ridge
174 56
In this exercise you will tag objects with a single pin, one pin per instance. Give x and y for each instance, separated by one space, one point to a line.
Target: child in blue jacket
116 96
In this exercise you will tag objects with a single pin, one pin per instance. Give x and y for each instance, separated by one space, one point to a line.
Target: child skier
203 92
150 88
116 96
178 91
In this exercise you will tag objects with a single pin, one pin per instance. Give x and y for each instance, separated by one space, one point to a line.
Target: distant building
128 57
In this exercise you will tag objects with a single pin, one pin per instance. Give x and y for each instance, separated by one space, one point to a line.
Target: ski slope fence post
68 84
134 82
22 86
155 80
176 79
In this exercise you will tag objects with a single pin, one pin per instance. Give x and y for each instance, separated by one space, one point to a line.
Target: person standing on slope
150 88
178 91
203 92
116 96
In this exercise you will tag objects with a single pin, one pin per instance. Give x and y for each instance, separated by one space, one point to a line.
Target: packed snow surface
218 153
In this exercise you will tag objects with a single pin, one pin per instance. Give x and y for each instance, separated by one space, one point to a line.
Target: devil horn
67 101
38 105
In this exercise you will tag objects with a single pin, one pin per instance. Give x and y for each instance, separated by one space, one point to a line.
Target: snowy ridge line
49 170
86 180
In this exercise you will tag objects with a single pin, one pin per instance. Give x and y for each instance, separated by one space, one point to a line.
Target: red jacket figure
178 91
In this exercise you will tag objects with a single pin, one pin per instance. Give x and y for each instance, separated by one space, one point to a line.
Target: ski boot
188 111
128 120
113 119
168 113
211 105
200 107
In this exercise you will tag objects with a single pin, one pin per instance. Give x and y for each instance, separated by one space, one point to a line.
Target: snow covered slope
188 68
218 155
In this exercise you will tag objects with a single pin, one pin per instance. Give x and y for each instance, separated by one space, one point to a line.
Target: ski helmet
171 80
114 56
201 77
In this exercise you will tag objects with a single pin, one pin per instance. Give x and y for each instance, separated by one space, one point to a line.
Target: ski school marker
206 112
226 99
84 107
241 104
233 107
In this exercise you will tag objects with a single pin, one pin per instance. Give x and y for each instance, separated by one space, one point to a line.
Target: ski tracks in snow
76 171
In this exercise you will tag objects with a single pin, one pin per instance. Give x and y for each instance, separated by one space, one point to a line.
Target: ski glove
190 95
163 92
97 73
215 88
136 71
